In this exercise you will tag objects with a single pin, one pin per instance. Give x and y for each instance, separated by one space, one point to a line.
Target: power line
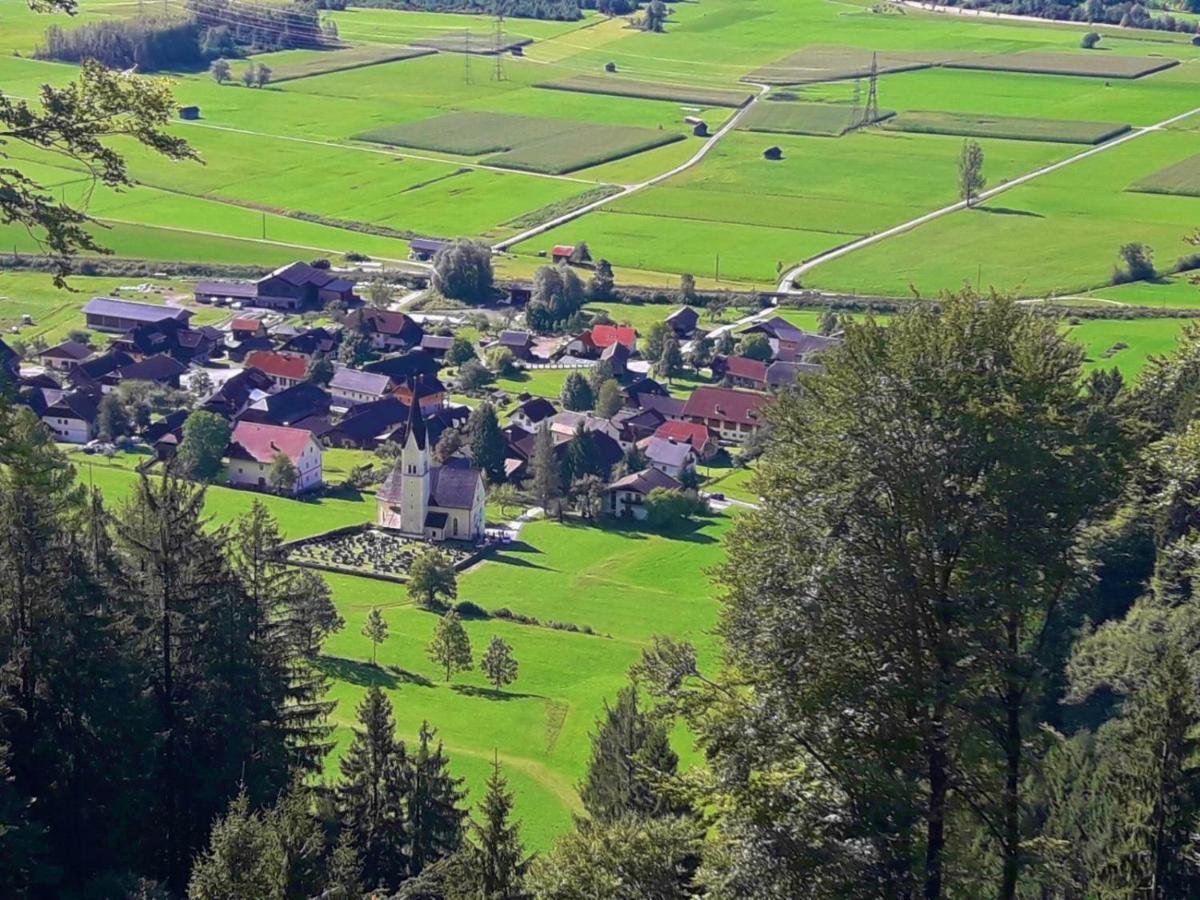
498 73
467 79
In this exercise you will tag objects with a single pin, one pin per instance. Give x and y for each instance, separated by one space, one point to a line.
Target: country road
789 277
641 185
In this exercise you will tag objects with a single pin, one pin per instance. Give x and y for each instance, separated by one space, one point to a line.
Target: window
456 524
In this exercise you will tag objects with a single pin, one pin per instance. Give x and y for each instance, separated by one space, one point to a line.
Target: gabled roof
439 342
370 421
237 390
99 366
159 368
290 406
129 309
67 350
782 373
405 365
427 245
685 317
262 443
235 290
645 481
693 433
741 407
515 339
75 405
385 322
313 340
616 352
536 409
644 386
668 452
666 406
744 367
604 335
348 379
301 274
562 250
244 324
278 365
453 485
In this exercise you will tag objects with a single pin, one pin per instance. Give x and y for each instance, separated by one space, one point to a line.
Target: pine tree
450 646
609 399
21 845
344 881
370 792
496 861
582 458
376 630
498 663
243 858
432 803
631 755
301 842
547 473
487 443
577 393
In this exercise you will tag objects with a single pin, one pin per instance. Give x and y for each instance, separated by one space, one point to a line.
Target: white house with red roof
253 448
600 337
733 415
285 369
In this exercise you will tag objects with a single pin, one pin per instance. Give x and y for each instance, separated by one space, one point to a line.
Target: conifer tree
495 862
577 393
433 799
243 858
631 755
370 793
547 473
486 442
582 458
375 629
301 842
344 880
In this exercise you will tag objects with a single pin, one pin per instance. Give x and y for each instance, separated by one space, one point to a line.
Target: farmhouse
532 412
71 415
388 331
425 249
65 356
93 373
593 342
351 386
176 339
285 369
617 355
626 497
290 287
254 447
112 315
790 343
733 415
312 342
684 322
423 499
301 406
741 371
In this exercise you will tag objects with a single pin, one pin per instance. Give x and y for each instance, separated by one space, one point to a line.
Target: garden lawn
625 583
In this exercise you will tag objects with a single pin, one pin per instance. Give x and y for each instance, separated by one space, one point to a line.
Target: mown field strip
785 283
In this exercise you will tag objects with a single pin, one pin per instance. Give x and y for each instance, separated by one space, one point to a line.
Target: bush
468 610
1090 40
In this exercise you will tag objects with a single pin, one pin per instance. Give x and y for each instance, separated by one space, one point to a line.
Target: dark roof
742 407
301 274
666 406
416 421
782 373
645 385
77 404
436 519
427 245
314 340
165 425
745 367
645 481
348 379
289 406
68 350
99 366
515 339
129 309
367 421
153 368
536 409
437 342
232 289
452 486
781 329
386 322
617 352
685 316
236 391
405 365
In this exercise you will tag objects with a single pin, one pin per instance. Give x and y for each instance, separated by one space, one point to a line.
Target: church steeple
416 421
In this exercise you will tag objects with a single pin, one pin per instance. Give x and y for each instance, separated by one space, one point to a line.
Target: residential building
617 355
389 331
733 415
238 392
303 405
519 342
530 414
313 342
670 456
284 369
112 315
254 446
683 322
352 386
697 436
65 356
437 344
790 343
243 329
71 415
423 499
626 497
741 371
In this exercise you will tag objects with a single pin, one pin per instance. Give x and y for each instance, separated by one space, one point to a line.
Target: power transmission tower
872 111
498 74
467 57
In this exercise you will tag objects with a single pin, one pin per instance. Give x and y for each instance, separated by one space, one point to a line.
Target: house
670 408
284 369
65 356
790 343
112 315
254 446
389 331
594 341
698 437
430 393
423 499
635 425
294 286
643 386
741 371
617 356
626 497
352 386
10 362
406 366
244 329
94 373
566 422
530 414
733 415
670 456
176 339
313 342
238 392
304 405
437 344
684 322
368 425
161 369
562 252
425 249
71 415
519 342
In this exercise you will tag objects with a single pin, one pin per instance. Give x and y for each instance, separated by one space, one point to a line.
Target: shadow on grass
504 554
633 530
363 674
1009 211
470 690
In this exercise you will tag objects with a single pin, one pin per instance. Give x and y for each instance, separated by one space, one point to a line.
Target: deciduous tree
450 646
498 664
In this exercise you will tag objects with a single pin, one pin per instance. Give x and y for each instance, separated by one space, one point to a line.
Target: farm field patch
797 117
1182 178
1007 127
555 146
289 65
1089 64
814 64
648 90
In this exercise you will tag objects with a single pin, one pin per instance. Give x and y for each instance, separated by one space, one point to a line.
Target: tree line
559 10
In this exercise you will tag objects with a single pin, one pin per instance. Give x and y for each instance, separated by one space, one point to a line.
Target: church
424 500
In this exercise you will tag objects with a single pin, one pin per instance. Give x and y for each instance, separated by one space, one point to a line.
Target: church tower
414 475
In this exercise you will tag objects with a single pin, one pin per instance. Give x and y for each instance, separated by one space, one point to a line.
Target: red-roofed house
285 369
606 335
733 415
254 446
243 329
699 436
741 371
562 252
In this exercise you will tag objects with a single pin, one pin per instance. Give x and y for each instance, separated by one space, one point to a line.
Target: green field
1088 64
797 117
289 65
1183 178
648 90
554 146
1013 128
814 64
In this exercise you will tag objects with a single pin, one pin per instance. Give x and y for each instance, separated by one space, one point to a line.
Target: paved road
628 189
785 283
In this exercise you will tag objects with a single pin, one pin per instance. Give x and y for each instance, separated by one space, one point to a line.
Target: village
277 392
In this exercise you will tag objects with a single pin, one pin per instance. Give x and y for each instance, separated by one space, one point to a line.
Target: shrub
1090 40
468 610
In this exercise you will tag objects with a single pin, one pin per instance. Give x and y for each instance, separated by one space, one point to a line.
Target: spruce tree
370 793
631 756
344 878
547 473
433 799
582 458
496 861
301 842
243 858
577 393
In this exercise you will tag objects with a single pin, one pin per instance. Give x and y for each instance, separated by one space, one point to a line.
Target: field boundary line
630 189
789 277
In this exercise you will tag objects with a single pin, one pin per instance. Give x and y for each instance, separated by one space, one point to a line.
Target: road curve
641 185
789 277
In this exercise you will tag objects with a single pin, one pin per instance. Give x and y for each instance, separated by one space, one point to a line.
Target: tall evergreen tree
547 473
495 862
370 794
433 799
486 442
582 457
243 858
577 393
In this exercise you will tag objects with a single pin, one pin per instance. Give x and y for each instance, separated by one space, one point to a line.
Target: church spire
416 421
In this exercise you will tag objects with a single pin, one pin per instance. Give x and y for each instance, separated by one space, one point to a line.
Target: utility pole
872 112
264 226
467 79
498 74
